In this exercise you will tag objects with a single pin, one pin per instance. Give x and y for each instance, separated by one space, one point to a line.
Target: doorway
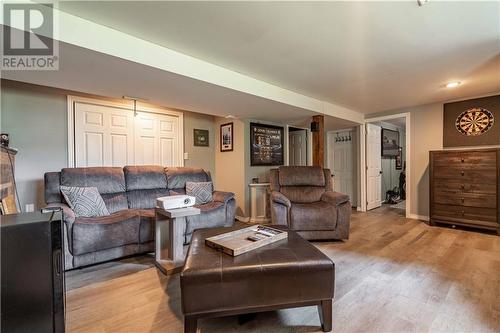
342 161
387 149
297 146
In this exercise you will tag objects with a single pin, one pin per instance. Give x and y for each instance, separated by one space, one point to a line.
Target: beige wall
230 165
36 119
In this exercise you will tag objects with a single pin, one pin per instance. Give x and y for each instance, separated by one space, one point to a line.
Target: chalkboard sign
266 145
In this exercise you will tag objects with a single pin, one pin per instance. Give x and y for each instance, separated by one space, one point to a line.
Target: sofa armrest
220 196
280 198
335 198
67 213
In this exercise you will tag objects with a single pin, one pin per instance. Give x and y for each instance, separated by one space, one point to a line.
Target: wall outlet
186 156
30 208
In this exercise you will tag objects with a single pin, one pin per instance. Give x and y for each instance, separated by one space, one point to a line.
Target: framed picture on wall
266 145
200 137
226 137
399 159
390 142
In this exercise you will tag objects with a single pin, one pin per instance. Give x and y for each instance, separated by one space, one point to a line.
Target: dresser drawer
443 212
465 199
479 176
481 160
457 188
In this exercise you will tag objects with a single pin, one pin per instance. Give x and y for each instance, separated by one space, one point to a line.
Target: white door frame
329 149
309 144
126 105
409 184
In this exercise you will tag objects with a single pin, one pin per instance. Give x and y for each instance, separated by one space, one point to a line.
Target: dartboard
475 121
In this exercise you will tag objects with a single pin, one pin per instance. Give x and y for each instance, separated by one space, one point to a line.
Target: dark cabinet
32 271
464 187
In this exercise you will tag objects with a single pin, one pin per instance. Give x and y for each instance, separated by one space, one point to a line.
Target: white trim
126 105
71 132
309 144
362 167
418 217
409 184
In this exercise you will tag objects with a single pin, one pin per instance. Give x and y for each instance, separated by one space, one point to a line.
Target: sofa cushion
92 234
106 179
213 214
301 176
177 177
313 216
145 199
145 177
85 201
303 194
147 225
202 191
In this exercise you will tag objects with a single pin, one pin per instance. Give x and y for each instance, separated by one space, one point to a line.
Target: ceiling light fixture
453 84
230 116
422 2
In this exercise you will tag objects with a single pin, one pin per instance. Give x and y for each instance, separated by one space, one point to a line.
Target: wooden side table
170 226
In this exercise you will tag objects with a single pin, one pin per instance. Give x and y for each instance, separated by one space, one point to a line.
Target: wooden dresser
464 188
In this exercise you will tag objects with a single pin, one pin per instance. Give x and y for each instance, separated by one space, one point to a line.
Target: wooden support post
319 142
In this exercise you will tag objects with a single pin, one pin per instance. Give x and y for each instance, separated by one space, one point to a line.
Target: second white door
373 166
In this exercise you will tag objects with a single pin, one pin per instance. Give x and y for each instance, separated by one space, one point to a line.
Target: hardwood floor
392 275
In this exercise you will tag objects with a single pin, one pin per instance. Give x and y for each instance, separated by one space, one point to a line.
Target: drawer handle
462 187
462 160
462 172
463 199
463 213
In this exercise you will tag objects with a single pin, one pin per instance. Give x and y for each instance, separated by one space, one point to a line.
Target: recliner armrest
280 198
220 196
67 213
335 198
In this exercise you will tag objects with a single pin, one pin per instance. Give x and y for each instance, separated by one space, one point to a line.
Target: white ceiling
369 56
91 72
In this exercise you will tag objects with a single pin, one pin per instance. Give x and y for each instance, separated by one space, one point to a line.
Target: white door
297 141
109 135
104 136
157 139
341 163
373 166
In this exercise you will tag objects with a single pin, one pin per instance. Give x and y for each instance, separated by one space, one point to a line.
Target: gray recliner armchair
303 199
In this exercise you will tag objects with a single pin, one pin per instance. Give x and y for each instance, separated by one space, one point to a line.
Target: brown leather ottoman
289 273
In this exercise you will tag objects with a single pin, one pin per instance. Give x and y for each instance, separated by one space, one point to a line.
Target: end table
170 226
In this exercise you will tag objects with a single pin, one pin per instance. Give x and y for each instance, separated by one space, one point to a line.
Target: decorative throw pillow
85 201
202 191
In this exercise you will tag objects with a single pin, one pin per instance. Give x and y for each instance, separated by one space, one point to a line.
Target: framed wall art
200 138
226 137
473 122
390 142
266 145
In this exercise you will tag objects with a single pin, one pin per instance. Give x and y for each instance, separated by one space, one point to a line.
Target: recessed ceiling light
453 84
230 116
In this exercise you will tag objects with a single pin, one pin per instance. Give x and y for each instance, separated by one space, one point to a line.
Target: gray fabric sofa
130 195
303 199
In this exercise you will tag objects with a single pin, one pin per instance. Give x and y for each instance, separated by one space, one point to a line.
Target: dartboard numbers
475 121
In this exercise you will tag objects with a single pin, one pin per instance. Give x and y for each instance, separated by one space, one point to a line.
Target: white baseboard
419 217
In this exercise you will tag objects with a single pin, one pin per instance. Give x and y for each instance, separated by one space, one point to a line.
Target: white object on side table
259 202
170 226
